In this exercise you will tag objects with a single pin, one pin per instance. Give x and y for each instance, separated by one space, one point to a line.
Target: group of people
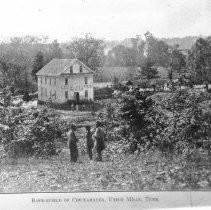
95 143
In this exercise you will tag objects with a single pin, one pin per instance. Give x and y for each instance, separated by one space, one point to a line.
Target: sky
105 19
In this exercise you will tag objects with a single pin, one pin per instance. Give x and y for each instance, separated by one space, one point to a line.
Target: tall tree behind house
88 50
37 64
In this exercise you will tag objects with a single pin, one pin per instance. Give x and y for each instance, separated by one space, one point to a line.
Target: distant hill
184 42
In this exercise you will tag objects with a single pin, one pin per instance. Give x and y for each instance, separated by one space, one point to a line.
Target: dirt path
126 172
54 174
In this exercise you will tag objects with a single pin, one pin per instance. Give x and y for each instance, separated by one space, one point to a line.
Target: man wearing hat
99 144
72 143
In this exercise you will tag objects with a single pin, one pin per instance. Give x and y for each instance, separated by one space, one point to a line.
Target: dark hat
88 127
98 124
73 126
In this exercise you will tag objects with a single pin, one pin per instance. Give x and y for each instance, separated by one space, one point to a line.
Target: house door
76 96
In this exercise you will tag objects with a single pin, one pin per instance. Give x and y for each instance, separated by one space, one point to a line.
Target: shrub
134 107
177 122
103 93
67 105
172 122
30 132
126 122
26 97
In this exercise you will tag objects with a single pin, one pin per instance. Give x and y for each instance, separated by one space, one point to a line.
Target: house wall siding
76 83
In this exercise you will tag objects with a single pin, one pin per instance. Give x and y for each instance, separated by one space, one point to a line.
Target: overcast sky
107 19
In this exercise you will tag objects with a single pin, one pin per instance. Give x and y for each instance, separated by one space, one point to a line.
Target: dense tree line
199 60
21 57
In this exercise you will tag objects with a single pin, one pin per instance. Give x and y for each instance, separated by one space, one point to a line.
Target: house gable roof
57 66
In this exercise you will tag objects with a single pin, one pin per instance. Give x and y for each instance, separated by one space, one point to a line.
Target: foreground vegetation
153 142
148 171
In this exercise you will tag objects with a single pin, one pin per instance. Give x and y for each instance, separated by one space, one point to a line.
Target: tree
177 63
37 64
121 56
134 106
149 71
199 60
88 50
16 57
53 51
178 60
157 50
12 67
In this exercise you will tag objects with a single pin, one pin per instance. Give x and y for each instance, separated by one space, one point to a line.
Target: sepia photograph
105 96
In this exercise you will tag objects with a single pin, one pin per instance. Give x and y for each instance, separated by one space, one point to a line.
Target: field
149 171
57 174
119 171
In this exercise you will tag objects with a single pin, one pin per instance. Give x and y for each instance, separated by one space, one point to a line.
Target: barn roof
57 66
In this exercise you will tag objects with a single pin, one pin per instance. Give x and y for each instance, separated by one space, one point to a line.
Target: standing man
89 141
93 108
73 107
72 143
99 142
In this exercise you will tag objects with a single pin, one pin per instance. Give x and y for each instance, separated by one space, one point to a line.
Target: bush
172 122
103 93
67 105
177 121
126 122
134 106
26 97
30 132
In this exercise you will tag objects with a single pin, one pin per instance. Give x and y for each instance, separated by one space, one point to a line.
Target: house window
66 81
66 94
55 81
81 69
40 80
71 69
45 80
86 80
55 94
50 81
50 93
86 93
46 92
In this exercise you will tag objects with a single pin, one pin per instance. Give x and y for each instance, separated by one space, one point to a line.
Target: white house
65 79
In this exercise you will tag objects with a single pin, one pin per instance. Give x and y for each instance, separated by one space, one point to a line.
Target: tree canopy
199 60
149 71
88 50
157 50
37 64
